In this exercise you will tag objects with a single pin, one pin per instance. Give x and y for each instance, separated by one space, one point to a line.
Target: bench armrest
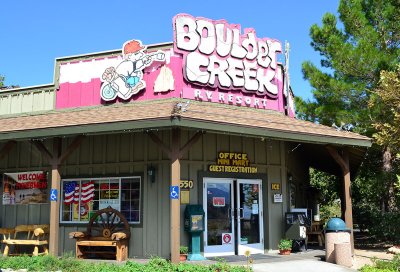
6 232
120 236
41 231
77 234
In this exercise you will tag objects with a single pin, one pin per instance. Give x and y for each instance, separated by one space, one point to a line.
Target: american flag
71 192
87 192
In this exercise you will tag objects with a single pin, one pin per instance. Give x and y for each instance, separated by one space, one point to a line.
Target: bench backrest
106 222
27 232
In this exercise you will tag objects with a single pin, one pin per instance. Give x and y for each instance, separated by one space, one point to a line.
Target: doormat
234 259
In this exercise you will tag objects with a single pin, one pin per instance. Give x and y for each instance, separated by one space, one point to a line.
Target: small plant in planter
183 250
285 246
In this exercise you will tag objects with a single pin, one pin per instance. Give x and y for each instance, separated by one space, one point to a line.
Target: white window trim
102 178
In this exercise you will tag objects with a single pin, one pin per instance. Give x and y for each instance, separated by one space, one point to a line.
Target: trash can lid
336 224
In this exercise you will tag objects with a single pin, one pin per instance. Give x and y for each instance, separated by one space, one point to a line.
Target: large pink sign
210 61
217 55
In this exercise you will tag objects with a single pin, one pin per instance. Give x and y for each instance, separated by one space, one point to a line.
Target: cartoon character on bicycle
126 79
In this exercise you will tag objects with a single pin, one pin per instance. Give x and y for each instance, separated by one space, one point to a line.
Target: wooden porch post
175 153
343 161
55 205
175 203
55 159
348 215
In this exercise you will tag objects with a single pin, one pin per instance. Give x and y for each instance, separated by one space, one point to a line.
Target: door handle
241 213
229 213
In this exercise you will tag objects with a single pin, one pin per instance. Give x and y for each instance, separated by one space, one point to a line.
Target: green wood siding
131 153
26 102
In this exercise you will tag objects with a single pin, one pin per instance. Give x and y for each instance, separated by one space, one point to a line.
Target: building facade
207 119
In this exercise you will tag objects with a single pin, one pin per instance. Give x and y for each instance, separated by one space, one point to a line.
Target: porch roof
174 112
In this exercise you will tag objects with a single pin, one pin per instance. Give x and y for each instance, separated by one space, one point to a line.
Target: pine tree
354 50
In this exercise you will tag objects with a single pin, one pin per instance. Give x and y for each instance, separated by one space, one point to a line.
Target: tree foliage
387 123
352 57
1 81
355 47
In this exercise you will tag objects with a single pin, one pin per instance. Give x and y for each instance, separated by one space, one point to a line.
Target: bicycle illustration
126 79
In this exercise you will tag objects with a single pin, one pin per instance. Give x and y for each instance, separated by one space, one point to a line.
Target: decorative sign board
275 186
25 188
226 238
219 201
278 198
185 196
232 162
216 54
126 78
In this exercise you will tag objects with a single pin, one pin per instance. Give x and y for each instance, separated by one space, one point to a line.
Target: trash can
336 233
343 254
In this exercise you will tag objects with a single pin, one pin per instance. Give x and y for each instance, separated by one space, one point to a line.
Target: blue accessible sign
53 195
174 192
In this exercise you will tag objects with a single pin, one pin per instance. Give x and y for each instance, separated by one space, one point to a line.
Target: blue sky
34 33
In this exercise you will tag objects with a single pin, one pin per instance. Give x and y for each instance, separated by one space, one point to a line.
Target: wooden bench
315 234
26 235
107 235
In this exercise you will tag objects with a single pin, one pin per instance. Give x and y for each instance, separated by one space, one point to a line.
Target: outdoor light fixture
151 173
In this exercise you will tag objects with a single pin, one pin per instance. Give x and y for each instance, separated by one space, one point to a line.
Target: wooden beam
190 143
7 148
160 144
71 148
55 205
338 158
175 203
42 148
343 161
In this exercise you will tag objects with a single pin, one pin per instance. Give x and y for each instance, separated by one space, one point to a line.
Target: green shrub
386 227
383 265
69 264
183 250
285 244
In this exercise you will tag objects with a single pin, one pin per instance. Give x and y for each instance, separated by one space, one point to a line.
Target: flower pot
285 251
182 257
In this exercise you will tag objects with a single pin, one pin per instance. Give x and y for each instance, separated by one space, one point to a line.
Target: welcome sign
24 188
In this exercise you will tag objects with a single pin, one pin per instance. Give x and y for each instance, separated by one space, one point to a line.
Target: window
82 197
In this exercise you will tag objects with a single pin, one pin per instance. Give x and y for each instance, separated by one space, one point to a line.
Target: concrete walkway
300 266
311 260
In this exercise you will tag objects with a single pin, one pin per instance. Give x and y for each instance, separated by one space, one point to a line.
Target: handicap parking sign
53 195
174 192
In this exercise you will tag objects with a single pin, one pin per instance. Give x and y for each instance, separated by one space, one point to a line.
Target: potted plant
285 246
183 251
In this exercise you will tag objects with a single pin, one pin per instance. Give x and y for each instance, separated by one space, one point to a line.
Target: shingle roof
269 120
195 114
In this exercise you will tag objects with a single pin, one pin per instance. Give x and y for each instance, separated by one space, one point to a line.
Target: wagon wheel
107 221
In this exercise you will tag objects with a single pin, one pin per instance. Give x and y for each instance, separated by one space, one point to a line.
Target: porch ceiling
318 157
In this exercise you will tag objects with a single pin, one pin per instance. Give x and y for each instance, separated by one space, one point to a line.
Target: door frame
236 247
218 250
253 248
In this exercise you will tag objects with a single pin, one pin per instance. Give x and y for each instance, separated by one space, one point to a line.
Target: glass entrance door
233 217
219 235
249 217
